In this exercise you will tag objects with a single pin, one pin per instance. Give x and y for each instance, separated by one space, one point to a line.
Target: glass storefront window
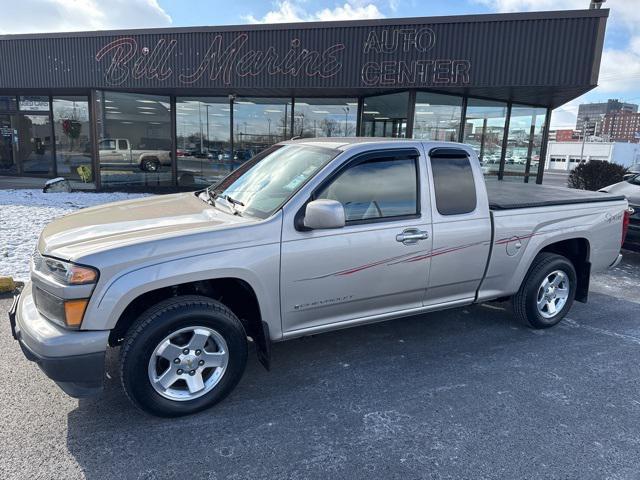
34 144
538 123
34 104
73 139
134 139
203 147
258 123
8 164
484 131
523 145
325 117
437 117
7 103
385 115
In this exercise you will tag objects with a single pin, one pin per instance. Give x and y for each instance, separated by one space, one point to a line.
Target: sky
619 72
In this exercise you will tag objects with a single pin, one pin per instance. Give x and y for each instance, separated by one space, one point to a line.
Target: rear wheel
182 356
547 292
150 164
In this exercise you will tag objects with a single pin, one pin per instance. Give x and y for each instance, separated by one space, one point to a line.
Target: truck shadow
331 397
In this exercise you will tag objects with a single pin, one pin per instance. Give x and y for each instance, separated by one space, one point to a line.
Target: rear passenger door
461 227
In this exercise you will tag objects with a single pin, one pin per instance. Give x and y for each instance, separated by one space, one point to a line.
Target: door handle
411 236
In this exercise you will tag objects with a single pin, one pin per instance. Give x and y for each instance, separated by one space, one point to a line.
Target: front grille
49 305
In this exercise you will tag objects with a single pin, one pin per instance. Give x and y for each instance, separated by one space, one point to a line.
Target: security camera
596 4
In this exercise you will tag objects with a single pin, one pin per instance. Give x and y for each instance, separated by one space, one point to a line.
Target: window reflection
73 139
203 147
258 123
523 145
34 143
134 139
325 117
484 131
437 117
385 115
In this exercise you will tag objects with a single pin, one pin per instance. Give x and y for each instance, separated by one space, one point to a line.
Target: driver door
367 268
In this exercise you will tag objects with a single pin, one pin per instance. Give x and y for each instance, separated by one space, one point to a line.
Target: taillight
625 223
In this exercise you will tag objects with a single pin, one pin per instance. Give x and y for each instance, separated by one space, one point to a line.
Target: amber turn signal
74 311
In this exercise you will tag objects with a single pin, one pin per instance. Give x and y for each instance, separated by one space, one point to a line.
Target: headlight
66 272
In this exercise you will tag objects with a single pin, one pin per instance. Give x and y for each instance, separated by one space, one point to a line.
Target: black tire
525 300
150 165
160 321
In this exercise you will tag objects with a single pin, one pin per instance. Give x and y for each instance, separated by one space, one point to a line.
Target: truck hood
129 222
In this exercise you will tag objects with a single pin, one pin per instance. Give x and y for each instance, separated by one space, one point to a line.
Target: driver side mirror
321 214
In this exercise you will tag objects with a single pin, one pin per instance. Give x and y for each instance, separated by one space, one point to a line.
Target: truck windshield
263 184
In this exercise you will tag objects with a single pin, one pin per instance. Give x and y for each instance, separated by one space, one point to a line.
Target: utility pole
584 137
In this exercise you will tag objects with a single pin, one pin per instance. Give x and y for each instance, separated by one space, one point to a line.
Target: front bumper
74 359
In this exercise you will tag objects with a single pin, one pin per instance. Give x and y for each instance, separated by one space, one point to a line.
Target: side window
454 186
122 145
380 188
107 145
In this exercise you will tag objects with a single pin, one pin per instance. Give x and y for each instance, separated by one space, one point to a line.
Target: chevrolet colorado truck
118 152
306 237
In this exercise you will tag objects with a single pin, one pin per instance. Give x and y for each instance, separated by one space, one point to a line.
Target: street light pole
346 116
584 136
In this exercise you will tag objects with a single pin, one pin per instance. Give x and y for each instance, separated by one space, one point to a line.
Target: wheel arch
577 250
235 293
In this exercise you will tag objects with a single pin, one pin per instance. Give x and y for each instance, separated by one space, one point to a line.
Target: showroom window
484 131
538 125
258 123
203 143
376 189
141 128
73 140
437 117
325 117
385 115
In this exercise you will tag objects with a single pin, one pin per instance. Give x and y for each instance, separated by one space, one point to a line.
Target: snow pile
23 215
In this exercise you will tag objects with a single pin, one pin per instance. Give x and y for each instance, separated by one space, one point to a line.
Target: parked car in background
633 170
118 152
308 237
630 188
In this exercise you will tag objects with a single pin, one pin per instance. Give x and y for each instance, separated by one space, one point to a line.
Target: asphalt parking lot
465 393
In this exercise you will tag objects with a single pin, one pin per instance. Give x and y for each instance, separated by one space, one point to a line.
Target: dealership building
181 107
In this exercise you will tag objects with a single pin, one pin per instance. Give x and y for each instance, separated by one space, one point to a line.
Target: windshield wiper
232 200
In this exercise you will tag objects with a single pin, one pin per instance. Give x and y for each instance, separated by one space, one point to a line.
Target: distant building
563 135
590 119
622 127
567 155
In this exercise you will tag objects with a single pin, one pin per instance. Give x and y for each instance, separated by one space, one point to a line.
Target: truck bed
511 195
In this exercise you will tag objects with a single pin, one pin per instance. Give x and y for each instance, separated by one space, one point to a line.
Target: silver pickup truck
306 237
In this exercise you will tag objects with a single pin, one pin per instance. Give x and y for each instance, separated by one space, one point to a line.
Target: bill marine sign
388 57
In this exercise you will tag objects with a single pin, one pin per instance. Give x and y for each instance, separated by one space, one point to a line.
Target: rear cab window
453 181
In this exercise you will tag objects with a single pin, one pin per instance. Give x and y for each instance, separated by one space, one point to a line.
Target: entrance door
376 264
8 165
34 143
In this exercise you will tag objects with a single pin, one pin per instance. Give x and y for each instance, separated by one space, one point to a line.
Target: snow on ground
23 215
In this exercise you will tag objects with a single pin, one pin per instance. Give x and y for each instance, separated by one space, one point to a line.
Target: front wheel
547 292
182 356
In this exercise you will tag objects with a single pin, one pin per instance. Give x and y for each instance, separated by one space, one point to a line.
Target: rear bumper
616 261
72 359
